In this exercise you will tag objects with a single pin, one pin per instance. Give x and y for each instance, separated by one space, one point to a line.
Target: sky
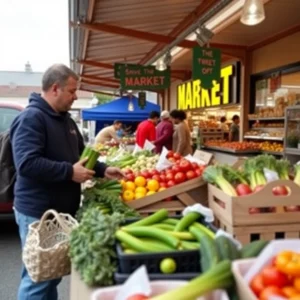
35 31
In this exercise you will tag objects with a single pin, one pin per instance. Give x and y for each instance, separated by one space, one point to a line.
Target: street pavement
10 263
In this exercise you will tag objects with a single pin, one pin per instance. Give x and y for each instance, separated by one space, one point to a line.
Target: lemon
128 195
129 185
141 190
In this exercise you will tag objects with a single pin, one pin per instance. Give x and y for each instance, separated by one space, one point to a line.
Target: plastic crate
120 278
187 261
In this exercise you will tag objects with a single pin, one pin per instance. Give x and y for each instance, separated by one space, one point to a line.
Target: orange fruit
150 193
153 185
123 183
140 181
129 185
139 195
128 195
141 190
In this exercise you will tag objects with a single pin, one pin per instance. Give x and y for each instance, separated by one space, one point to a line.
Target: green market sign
206 66
192 95
137 77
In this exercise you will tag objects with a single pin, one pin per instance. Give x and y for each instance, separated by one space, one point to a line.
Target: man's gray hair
58 74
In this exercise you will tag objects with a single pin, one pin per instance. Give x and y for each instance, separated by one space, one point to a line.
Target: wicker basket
46 251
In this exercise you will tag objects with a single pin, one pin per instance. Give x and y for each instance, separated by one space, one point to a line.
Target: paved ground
10 263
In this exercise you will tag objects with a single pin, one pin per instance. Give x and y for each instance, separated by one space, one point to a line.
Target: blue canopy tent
118 110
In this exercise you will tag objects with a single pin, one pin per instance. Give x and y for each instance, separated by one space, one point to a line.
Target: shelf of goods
250 208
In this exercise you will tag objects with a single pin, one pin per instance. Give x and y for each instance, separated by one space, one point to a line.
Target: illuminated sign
191 95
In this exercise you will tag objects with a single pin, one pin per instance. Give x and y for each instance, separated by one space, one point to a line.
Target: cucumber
186 221
129 251
135 244
227 249
157 217
210 256
170 221
253 249
155 233
163 226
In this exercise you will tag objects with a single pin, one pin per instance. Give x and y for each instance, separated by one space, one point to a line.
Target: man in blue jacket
46 148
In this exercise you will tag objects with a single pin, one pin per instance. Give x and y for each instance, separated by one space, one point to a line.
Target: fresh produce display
104 196
147 182
262 134
271 146
144 162
252 177
279 278
158 233
208 124
238 146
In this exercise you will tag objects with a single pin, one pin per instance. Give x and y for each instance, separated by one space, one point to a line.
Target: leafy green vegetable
106 201
283 168
254 170
214 175
233 176
297 174
92 247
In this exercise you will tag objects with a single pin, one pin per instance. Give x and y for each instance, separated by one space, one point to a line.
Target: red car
8 112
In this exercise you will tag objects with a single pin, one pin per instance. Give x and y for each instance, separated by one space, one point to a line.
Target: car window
7 116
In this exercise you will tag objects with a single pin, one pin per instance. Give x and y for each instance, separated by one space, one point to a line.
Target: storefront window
275 93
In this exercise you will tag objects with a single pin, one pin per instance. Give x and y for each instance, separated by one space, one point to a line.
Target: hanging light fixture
130 106
163 63
203 35
253 12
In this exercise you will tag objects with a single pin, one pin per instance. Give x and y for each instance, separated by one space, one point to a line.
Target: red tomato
176 168
198 172
280 191
156 177
177 156
130 177
163 178
170 154
191 174
151 173
185 165
170 183
172 159
138 297
257 284
271 276
195 166
169 176
179 177
243 189
163 184
145 174
127 171
270 291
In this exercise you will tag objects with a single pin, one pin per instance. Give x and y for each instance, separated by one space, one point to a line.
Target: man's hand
80 173
113 173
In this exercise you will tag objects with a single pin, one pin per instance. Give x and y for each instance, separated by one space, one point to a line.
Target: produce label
207 66
137 77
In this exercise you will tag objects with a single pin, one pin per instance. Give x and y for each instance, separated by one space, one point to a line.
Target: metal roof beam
99 83
93 77
137 34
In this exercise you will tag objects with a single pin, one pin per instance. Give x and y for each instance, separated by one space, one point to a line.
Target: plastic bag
148 146
136 149
204 211
163 163
270 175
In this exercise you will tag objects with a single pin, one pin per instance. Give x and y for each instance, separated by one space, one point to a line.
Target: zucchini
253 249
210 256
204 229
134 243
170 221
93 157
85 153
151 232
157 217
129 251
183 235
227 249
190 245
186 221
163 226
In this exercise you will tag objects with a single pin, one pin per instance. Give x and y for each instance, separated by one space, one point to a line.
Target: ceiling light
203 36
130 106
161 65
253 12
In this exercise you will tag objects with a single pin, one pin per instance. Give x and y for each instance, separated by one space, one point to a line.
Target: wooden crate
232 213
187 193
